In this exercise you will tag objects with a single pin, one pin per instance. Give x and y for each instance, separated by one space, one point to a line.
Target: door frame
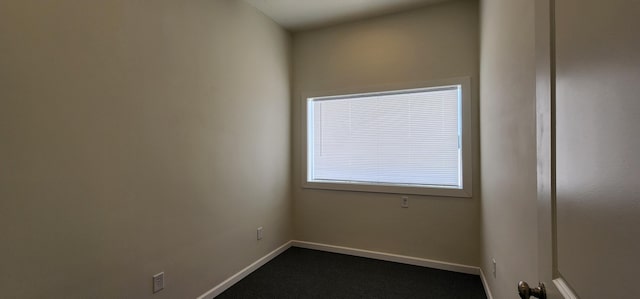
545 151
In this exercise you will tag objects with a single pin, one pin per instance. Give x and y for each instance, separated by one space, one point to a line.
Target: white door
588 102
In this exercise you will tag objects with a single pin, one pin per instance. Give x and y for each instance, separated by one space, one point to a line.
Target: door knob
525 291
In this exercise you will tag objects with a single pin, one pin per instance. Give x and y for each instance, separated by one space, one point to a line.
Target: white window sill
393 189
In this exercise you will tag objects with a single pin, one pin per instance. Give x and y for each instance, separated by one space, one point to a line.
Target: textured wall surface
139 137
508 144
435 42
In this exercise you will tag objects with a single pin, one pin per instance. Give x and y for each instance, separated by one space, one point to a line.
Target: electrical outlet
259 233
158 282
405 202
494 267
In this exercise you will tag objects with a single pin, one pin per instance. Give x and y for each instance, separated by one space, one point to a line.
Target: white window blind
409 137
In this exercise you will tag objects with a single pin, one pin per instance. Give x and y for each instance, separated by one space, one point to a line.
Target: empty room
319 149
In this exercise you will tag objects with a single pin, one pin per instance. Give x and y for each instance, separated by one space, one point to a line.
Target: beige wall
139 137
508 144
435 42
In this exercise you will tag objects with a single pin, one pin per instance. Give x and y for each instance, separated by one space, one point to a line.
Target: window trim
466 156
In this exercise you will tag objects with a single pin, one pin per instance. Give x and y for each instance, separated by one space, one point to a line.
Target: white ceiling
306 14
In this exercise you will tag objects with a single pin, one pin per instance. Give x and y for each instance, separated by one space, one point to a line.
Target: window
411 141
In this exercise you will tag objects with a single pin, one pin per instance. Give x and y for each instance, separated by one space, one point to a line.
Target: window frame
466 146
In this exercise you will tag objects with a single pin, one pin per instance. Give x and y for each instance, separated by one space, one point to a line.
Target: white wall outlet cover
405 202
259 235
158 282
494 267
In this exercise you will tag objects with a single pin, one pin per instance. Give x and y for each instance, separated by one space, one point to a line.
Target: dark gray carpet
305 273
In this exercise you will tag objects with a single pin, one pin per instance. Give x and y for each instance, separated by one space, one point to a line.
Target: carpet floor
306 273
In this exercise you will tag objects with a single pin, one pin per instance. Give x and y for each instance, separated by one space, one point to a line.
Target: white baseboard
217 290
403 259
485 284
